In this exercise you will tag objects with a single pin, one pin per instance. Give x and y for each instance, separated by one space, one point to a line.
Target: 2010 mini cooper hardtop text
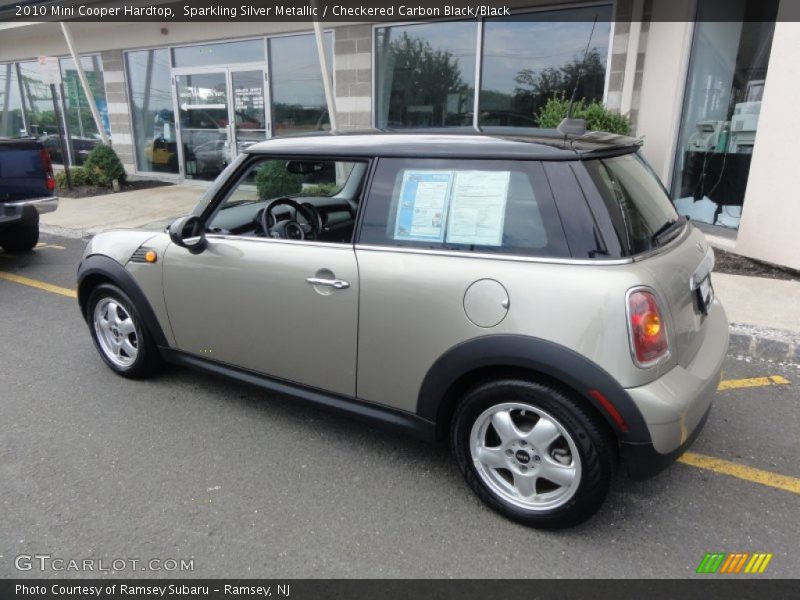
533 299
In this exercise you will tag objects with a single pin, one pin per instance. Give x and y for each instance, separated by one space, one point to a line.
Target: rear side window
487 206
635 201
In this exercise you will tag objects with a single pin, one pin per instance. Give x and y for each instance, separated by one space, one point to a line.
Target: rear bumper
21 209
642 461
675 406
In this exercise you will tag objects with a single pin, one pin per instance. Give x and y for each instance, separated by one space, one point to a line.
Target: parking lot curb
763 343
75 234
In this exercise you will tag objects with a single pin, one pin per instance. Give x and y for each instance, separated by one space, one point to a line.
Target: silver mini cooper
535 300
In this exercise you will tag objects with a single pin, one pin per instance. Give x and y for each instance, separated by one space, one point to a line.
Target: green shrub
76 174
321 189
598 117
274 181
103 166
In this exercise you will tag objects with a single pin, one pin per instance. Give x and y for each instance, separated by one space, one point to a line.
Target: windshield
637 203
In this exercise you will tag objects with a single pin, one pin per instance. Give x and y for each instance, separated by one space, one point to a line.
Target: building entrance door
220 111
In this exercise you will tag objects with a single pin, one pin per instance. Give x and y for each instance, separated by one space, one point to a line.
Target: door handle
338 284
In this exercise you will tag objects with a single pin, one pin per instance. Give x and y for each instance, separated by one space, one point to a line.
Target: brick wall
625 75
352 49
118 108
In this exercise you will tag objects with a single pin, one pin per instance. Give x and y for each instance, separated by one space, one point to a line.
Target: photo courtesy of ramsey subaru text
534 300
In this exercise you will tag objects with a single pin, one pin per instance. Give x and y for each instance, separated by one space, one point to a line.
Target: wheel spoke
113 312
126 326
128 348
543 434
504 426
491 457
559 474
525 484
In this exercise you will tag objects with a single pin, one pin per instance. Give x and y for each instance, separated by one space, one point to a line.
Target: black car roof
498 143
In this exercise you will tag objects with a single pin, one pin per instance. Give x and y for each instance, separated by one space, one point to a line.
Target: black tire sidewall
144 363
589 438
20 237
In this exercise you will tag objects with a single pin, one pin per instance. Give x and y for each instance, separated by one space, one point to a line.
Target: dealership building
710 86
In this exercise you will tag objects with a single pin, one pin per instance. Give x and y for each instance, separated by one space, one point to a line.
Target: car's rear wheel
532 453
119 334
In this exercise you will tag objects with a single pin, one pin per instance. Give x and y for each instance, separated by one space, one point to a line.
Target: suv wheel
532 453
21 237
119 334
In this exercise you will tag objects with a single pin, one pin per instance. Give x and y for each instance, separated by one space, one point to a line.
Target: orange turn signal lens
651 324
151 256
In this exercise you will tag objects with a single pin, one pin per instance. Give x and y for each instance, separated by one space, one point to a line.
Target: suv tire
20 237
509 436
120 335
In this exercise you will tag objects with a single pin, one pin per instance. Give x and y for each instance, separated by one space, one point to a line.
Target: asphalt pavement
190 467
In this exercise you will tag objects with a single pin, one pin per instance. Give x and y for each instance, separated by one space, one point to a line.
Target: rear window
487 206
636 202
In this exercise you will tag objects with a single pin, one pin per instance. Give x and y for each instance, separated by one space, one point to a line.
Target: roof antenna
568 125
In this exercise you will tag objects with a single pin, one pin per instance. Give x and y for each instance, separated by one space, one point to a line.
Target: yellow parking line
47 287
726 467
735 384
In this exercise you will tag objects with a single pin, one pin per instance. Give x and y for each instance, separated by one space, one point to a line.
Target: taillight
47 166
648 332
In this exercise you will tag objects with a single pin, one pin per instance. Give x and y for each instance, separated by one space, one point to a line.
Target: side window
488 206
326 192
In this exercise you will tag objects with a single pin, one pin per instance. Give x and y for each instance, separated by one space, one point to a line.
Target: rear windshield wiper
668 229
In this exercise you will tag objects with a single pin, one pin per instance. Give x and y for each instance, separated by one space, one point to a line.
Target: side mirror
189 233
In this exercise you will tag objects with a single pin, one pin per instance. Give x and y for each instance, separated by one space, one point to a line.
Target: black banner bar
331 11
708 588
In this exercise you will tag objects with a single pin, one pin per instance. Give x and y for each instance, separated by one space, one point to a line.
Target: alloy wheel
525 456
116 332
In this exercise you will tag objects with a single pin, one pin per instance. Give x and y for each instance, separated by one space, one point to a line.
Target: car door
284 308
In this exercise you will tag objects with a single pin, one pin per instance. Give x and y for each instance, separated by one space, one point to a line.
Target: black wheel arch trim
532 354
111 270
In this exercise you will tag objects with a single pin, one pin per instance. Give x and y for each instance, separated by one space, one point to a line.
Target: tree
423 76
535 88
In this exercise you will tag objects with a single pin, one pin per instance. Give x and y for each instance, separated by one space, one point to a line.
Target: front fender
119 244
96 267
541 356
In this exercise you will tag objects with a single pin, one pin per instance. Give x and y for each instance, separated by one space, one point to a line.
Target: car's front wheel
119 334
532 453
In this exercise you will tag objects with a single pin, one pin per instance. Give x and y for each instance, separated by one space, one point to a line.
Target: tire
509 436
120 335
20 237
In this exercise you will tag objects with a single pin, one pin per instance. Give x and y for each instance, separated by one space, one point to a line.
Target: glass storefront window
425 74
727 71
11 120
532 57
81 129
249 105
152 111
38 102
298 98
224 53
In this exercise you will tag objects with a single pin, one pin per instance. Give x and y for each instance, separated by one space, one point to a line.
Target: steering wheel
291 229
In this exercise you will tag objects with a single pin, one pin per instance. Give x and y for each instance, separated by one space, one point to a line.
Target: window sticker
422 207
478 208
